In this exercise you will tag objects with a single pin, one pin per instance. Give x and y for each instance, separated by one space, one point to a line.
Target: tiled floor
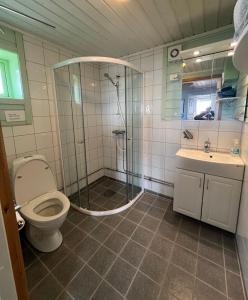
105 194
146 252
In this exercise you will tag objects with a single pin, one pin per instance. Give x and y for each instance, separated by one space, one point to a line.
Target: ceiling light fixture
230 53
3 7
196 52
198 60
233 44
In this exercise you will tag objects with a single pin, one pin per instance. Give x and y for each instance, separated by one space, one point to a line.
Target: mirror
203 83
209 88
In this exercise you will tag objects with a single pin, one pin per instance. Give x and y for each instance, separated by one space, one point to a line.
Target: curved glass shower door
72 134
134 137
99 108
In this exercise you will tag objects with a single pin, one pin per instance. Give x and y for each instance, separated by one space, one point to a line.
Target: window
14 91
10 78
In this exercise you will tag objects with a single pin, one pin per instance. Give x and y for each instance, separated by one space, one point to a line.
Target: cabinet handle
200 183
207 183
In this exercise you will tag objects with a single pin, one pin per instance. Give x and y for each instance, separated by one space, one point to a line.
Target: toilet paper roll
20 221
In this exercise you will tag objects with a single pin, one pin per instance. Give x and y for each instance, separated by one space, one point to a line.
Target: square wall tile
25 143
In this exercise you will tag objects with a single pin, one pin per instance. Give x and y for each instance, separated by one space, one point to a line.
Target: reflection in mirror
209 88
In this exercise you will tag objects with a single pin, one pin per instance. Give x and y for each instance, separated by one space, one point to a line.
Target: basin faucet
207 146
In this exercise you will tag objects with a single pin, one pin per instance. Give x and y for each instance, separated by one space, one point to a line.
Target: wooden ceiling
118 27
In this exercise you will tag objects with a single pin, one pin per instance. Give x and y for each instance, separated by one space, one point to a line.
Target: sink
213 163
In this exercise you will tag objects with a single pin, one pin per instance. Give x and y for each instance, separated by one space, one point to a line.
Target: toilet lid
33 179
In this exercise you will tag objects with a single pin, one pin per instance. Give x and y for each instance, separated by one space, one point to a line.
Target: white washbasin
213 163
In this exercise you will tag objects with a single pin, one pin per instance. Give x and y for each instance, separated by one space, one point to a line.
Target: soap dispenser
235 150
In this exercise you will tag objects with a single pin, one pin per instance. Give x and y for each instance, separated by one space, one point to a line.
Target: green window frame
15 94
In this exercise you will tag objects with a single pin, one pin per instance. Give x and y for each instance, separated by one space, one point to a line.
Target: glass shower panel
69 105
134 125
76 82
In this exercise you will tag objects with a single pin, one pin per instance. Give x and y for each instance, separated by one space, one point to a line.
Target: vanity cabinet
212 199
221 202
188 193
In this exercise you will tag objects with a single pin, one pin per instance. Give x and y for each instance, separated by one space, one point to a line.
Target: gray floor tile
112 220
211 234
89 224
231 261
73 238
172 218
47 289
141 206
84 284
211 251
156 212
28 255
120 275
87 248
177 283
168 231
211 274
116 241
66 227
234 286
142 236
76 217
161 202
133 253
135 215
161 246
148 198
102 260
205 292
35 273
184 259
64 296
51 259
187 240
67 268
190 226
150 223
229 241
106 292
101 232
143 288
126 227
154 267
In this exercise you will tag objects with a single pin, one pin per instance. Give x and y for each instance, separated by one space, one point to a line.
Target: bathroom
123 149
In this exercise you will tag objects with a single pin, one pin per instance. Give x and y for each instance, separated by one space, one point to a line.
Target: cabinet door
221 202
188 193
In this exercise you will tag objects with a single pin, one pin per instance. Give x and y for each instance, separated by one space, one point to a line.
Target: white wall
162 138
242 230
39 137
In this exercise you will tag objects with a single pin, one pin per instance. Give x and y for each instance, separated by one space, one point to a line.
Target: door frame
11 228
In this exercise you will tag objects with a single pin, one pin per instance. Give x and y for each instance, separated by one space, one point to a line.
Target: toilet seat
48 199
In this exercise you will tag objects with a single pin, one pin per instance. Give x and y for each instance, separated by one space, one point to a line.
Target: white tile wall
161 138
39 137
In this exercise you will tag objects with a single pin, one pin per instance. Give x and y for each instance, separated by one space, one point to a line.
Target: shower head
109 78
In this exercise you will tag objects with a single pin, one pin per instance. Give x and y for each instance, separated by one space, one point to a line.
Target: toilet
42 206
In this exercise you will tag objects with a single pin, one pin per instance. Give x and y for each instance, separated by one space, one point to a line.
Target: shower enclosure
100 124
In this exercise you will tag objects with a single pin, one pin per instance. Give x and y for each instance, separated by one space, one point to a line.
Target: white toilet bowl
42 206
